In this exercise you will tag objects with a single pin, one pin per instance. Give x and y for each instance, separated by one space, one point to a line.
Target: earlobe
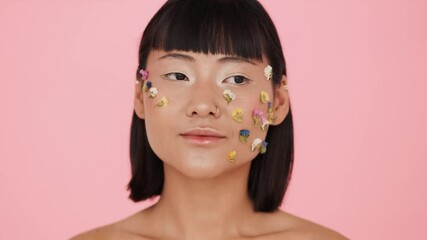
281 101
139 101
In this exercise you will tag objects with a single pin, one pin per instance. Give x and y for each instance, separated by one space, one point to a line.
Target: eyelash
245 80
168 76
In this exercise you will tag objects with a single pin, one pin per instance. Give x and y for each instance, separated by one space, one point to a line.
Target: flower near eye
268 72
228 95
144 74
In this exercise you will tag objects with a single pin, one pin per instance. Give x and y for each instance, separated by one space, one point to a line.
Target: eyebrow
223 60
235 60
178 56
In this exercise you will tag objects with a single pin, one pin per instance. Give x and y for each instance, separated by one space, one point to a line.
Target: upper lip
202 131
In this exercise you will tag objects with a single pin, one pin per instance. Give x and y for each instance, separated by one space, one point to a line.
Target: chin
199 167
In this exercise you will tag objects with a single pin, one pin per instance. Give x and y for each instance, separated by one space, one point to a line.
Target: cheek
249 131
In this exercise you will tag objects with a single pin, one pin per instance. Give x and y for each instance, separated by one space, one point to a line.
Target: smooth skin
205 195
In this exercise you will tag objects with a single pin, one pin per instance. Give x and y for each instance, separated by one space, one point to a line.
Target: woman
212 130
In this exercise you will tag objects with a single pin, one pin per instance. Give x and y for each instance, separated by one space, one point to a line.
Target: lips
203 136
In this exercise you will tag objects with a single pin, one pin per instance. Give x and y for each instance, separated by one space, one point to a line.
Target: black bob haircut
239 27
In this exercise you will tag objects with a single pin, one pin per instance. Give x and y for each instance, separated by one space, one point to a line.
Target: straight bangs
209 27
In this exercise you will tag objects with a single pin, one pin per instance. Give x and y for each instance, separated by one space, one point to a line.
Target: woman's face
197 130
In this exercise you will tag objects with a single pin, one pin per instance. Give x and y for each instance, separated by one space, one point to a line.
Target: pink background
357 76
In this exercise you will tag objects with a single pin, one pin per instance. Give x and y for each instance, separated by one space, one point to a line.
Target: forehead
161 56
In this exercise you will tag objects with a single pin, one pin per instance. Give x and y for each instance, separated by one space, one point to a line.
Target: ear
139 100
281 103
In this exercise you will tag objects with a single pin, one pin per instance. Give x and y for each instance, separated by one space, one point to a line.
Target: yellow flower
264 97
237 115
163 102
232 156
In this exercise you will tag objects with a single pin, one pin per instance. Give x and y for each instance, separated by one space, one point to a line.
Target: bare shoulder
118 230
299 228
100 233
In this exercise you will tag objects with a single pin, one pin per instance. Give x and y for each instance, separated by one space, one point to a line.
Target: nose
203 101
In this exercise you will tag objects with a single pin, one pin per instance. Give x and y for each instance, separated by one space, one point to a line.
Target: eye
176 76
237 80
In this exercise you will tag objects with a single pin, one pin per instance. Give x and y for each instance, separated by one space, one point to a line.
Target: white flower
268 72
265 123
228 95
153 92
256 143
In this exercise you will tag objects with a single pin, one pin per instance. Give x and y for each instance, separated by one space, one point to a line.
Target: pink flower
144 74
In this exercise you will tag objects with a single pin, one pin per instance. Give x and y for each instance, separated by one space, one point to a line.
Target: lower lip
202 140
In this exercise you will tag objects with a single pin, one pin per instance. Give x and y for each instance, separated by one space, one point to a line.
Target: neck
204 207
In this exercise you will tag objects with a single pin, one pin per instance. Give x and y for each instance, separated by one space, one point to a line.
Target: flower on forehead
268 72
257 142
228 95
264 97
153 92
144 74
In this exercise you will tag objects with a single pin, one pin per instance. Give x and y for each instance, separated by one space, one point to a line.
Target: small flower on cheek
263 147
228 95
270 113
257 142
163 102
144 74
237 115
232 156
258 116
147 86
264 124
264 97
153 92
244 135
